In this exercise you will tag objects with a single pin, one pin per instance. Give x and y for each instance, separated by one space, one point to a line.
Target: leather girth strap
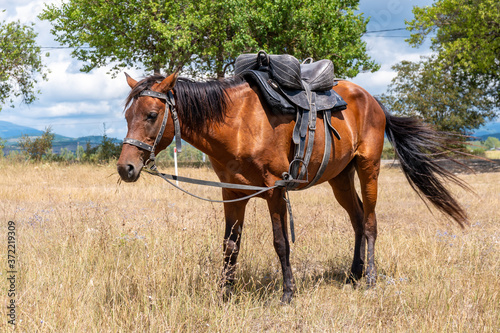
327 114
303 138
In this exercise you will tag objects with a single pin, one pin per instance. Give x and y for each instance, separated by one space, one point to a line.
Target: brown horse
248 144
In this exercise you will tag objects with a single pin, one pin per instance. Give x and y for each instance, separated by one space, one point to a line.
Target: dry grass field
493 154
97 256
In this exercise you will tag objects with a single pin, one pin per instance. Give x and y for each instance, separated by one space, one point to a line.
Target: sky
77 104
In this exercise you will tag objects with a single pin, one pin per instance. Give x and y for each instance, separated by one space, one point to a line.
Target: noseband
170 101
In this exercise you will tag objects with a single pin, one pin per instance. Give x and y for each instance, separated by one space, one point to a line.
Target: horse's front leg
277 209
235 214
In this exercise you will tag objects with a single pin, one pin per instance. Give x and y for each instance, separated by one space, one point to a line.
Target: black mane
197 103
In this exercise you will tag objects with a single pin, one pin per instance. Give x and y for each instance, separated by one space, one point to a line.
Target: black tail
415 143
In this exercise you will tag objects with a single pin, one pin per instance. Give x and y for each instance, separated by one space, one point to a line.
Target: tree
20 63
80 153
104 152
458 87
37 147
438 96
327 29
207 35
467 40
492 142
467 33
108 150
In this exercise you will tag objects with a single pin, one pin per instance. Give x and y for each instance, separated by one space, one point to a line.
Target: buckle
150 165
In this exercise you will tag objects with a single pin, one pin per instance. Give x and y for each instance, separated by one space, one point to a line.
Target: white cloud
387 52
73 103
69 86
24 10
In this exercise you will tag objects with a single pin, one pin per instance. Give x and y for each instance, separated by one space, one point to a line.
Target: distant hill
490 129
12 133
72 144
10 130
486 136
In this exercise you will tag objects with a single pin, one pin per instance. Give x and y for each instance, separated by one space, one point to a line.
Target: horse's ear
131 82
169 82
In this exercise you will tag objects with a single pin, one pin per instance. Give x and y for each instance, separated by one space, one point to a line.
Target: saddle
286 84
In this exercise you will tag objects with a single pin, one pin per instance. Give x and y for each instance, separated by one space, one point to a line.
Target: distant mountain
486 136
11 133
10 130
490 129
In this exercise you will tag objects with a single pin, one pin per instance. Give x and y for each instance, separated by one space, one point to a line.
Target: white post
175 163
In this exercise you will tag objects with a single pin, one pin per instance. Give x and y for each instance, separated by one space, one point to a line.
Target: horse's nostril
130 171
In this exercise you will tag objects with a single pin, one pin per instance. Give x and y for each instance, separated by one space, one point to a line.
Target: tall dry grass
97 256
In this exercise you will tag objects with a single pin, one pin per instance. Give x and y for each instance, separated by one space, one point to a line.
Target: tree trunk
156 68
219 63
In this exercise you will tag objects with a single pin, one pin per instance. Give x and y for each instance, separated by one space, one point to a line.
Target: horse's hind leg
234 214
368 169
345 193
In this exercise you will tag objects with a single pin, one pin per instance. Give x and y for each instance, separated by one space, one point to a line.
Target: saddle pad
278 103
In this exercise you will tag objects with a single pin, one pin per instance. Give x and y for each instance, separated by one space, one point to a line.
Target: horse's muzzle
128 172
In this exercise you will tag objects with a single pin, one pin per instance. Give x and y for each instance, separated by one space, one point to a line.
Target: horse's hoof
286 298
227 292
352 281
354 277
371 280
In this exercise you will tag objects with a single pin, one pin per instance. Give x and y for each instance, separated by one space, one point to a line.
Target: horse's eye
152 115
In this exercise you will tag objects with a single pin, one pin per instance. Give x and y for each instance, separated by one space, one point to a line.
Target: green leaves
319 29
441 97
37 147
122 33
20 63
206 35
458 88
467 33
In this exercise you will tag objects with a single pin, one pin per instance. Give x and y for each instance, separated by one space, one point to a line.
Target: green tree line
40 149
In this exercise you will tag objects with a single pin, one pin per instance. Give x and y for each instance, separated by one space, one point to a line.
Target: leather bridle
150 166
169 107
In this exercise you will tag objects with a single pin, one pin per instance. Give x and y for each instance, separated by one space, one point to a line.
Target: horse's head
145 112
